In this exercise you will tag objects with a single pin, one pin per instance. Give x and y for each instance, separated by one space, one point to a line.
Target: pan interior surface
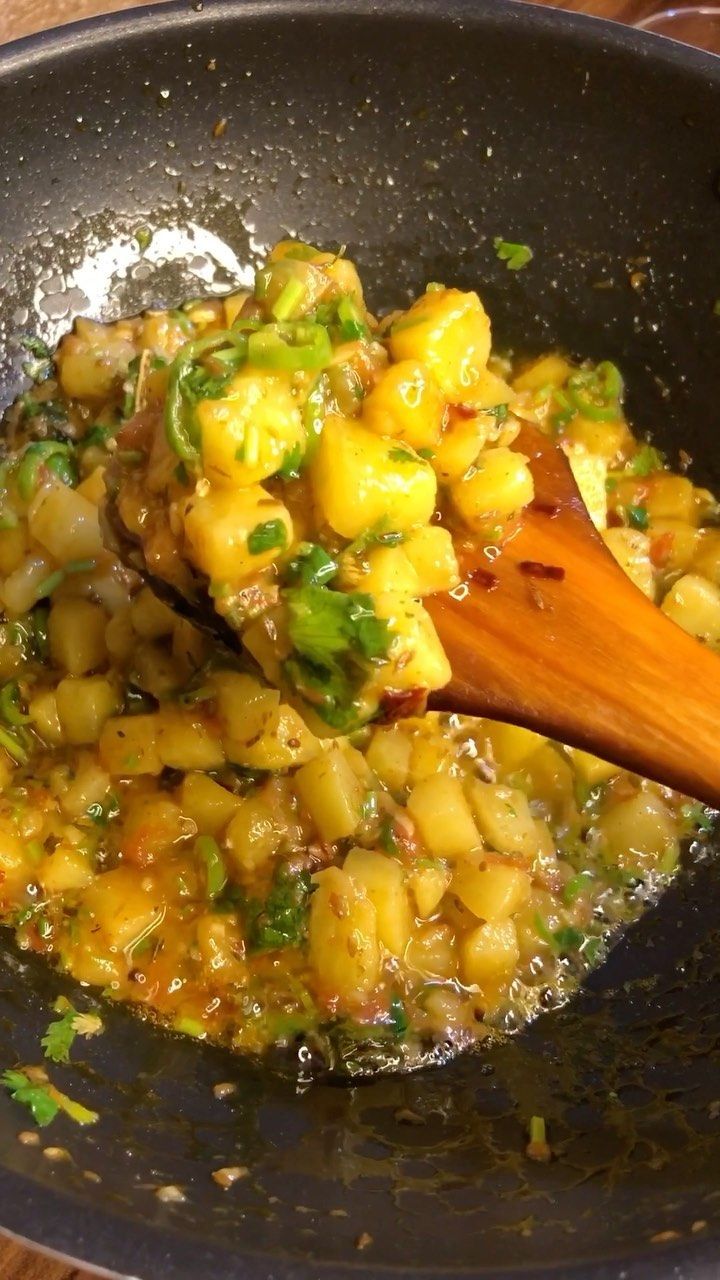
414 134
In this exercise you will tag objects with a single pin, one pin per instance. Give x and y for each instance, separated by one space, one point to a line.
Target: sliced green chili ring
182 438
64 467
10 705
314 412
13 746
350 316
596 393
290 346
216 873
29 466
289 299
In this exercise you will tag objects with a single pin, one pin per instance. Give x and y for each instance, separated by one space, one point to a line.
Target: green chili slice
314 412
13 746
34 456
183 437
289 299
216 873
290 346
350 316
596 393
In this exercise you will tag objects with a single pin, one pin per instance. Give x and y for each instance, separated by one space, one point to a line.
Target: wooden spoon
551 634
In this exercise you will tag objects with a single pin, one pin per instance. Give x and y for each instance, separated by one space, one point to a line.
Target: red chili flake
551 509
534 569
464 410
661 549
484 578
396 704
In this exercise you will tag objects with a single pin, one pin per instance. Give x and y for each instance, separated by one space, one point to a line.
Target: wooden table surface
19 18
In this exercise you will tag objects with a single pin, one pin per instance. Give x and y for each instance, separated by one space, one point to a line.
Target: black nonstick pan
413 131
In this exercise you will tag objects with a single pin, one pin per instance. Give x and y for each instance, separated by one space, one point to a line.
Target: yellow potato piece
443 817
500 484
383 880
219 530
694 603
362 481
492 891
407 403
332 794
416 658
247 434
343 938
449 331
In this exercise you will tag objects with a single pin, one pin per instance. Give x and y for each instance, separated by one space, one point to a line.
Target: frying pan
413 131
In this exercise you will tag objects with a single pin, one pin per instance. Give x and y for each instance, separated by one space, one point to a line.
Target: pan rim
146 1247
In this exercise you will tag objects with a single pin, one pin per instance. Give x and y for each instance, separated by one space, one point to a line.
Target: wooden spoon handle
582 656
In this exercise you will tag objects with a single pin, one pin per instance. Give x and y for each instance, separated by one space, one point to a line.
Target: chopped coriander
37 1097
516 256
646 460
696 815
103 812
569 938
386 836
637 516
268 536
292 462
402 453
311 566
378 536
499 411
576 885
58 1039
39 367
425 453
281 921
324 624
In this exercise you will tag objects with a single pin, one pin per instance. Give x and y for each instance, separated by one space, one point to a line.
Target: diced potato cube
151 618
93 486
152 824
66 524
89 786
21 589
549 782
637 830
432 952
671 498
120 637
14 869
591 769
417 658
221 950
489 954
253 836
187 741
491 890
590 474
379 569
76 631
431 553
631 549
388 755
383 880
609 441
504 818
500 484
206 803
460 445
126 907
84 704
87 375
694 603
43 712
247 434
128 747
490 390
510 744
406 403
547 371
332 794
431 754
674 546
363 481
428 884
258 732
13 547
443 817
706 561
66 870
449 331
344 947
234 533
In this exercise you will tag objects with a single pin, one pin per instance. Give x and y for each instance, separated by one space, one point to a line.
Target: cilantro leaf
378 536
58 1039
696 815
402 453
516 256
646 460
268 536
281 921
43 1107
311 566
399 1020
325 624
291 464
103 812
